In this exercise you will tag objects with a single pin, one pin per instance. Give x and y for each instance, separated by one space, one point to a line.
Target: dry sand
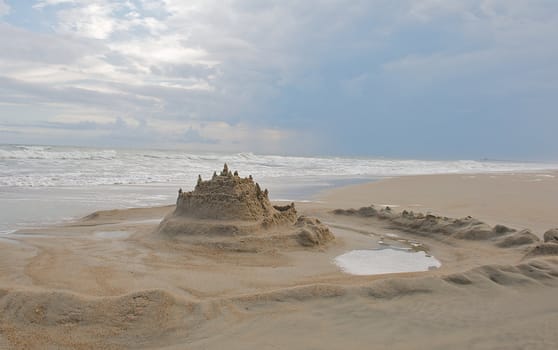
109 281
523 200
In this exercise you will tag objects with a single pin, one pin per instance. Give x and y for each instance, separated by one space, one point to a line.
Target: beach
110 280
278 175
521 200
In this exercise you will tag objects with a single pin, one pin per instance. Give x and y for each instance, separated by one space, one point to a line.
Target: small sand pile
551 236
549 247
543 249
230 206
521 238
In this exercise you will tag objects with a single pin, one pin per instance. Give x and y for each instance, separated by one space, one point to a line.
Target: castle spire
225 171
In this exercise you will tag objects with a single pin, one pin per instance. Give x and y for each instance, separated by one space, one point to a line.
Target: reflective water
385 260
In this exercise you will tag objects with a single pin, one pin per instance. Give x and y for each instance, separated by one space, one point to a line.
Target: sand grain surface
109 281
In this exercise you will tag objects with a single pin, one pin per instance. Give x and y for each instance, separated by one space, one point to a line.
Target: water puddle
112 234
385 260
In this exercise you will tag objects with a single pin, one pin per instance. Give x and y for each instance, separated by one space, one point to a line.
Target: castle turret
225 171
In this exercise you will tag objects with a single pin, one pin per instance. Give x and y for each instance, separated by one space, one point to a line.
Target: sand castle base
232 210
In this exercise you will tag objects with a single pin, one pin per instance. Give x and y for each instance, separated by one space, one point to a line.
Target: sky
429 79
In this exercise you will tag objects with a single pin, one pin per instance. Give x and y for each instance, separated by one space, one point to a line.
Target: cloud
117 131
4 8
428 10
166 50
242 73
193 136
494 37
45 3
92 21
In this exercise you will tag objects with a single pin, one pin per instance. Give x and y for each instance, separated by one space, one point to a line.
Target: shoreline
62 182
59 205
440 194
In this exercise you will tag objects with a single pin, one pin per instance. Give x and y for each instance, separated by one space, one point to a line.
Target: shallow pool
385 260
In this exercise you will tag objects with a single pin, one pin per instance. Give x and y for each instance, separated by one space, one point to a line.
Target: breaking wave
40 166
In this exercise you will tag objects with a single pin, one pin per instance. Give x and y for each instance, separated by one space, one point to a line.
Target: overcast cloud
410 78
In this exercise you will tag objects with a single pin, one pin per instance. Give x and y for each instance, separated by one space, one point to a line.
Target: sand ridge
467 228
526 200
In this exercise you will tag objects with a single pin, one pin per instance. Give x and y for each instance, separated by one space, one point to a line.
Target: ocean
50 184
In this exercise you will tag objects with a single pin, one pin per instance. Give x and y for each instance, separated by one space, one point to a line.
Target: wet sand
109 281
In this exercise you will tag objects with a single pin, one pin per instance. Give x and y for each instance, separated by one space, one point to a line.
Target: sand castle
228 205
227 196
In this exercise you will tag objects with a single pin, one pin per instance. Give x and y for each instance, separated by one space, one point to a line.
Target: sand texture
522 201
116 280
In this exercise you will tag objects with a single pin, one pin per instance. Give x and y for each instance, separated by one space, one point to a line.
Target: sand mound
430 225
543 249
311 231
61 320
523 237
534 271
464 228
551 236
228 206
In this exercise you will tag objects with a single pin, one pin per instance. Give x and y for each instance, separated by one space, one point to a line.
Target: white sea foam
36 166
